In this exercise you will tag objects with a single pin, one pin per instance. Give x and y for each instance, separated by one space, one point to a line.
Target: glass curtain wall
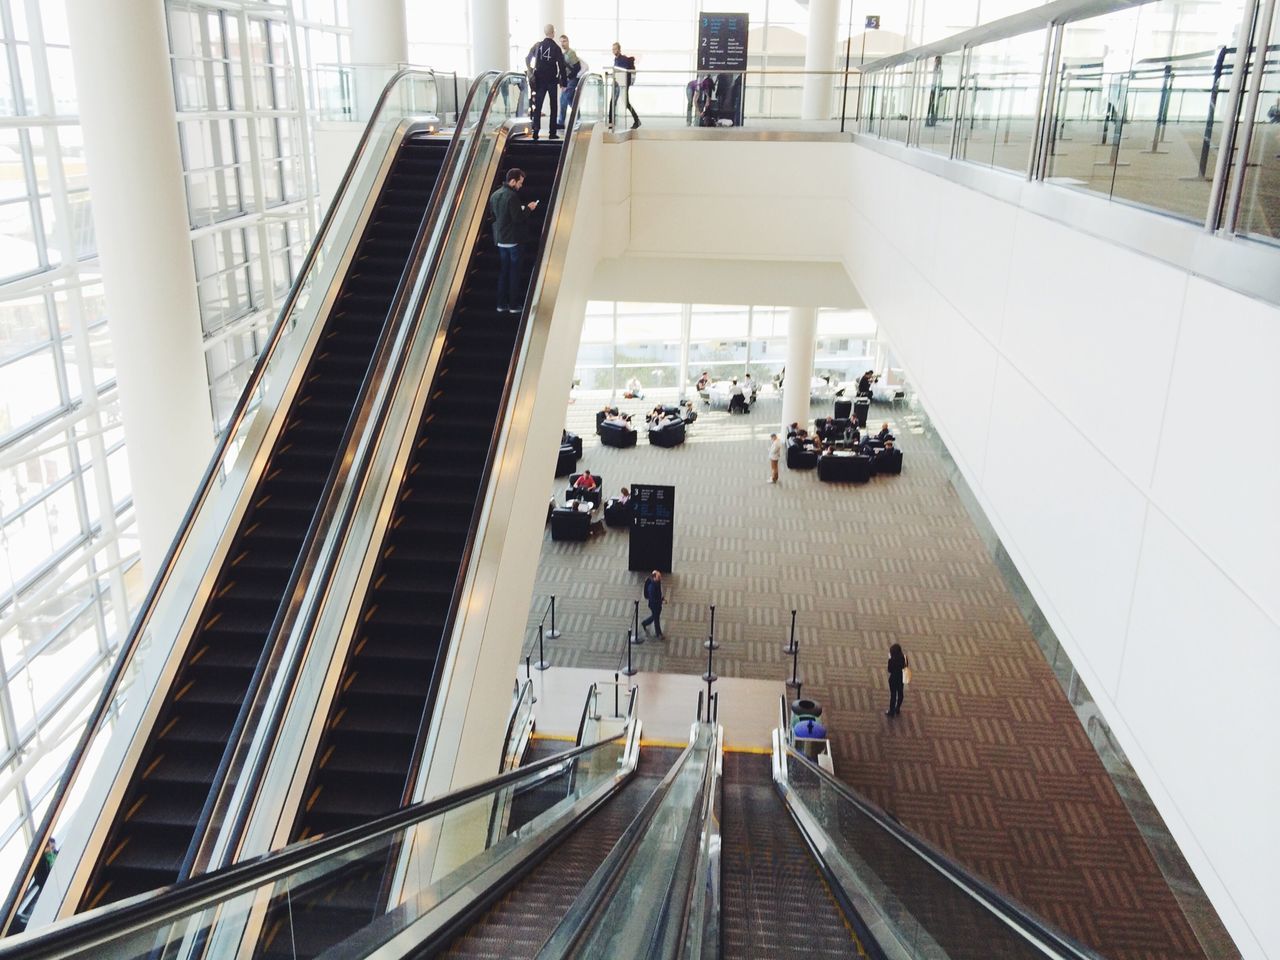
242 90
645 341
69 576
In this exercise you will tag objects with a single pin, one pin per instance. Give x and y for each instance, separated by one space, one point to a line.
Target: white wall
1112 413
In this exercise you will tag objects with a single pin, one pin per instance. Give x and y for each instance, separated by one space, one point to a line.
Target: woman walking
897 665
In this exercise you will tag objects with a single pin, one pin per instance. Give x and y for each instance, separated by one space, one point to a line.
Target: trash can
861 407
805 708
843 408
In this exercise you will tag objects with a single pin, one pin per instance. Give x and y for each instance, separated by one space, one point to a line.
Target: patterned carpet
987 760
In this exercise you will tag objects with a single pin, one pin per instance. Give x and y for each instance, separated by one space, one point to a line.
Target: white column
378 36
125 89
802 334
819 54
552 11
490 36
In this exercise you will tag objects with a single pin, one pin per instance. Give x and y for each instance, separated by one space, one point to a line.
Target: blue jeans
566 98
655 617
508 277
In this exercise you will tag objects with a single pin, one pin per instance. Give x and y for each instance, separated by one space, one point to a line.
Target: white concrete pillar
802 338
551 11
127 111
490 36
379 41
819 54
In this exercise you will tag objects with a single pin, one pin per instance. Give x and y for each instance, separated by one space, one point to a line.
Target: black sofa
601 414
669 433
573 440
887 461
861 407
566 461
844 468
570 524
617 514
593 495
800 457
613 434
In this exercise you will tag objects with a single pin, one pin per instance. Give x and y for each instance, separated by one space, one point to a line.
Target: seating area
570 453
840 447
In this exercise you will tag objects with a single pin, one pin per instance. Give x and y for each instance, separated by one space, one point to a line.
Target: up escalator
155 828
377 724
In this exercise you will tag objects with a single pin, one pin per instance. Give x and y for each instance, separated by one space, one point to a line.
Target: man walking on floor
547 63
653 596
775 453
509 219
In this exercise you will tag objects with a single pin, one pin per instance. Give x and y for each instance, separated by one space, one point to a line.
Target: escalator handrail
524 691
1000 904
464 562
136 914
600 888
129 646
329 525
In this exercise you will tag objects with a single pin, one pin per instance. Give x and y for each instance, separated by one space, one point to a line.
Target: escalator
773 896
155 829
522 920
376 724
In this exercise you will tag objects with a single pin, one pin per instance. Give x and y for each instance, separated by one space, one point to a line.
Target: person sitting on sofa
851 436
622 419
884 433
586 483
704 381
625 496
737 397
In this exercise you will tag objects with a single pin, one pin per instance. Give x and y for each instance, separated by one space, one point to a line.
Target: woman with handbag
899 673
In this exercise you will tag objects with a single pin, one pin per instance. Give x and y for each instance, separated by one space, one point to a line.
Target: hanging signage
653 527
873 22
722 41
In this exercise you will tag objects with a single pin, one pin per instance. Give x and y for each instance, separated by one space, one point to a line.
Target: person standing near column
775 453
624 74
547 63
653 596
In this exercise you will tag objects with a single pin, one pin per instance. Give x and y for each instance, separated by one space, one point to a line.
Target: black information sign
722 41
652 527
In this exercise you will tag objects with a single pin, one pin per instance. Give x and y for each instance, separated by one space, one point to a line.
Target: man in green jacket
510 218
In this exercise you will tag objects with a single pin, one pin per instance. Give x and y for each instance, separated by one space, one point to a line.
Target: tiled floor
988 759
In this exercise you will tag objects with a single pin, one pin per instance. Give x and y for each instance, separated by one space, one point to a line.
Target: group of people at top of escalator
555 68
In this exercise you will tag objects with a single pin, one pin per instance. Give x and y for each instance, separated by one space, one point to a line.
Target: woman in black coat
897 664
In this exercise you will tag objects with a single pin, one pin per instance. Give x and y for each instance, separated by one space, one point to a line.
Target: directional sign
653 511
873 21
722 41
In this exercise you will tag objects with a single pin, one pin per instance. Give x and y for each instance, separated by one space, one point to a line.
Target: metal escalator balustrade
159 813
442 857
910 899
161 614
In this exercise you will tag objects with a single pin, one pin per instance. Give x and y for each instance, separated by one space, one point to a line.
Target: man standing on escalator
547 63
510 219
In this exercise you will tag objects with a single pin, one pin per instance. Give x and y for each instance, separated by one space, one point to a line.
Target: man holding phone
510 218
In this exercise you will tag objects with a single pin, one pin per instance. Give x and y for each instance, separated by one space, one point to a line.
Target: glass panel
937 109
999 102
927 912
1260 204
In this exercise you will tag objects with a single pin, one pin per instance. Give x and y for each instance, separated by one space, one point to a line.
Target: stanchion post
617 684
635 625
542 660
553 633
710 676
790 648
711 637
528 674
630 671
795 666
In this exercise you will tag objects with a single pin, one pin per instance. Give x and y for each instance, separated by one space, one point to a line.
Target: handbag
906 675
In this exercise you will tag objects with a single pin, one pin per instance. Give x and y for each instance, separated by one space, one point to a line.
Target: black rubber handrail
206 486
1008 910
96 927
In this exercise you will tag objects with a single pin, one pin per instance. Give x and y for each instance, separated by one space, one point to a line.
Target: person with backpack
548 66
654 598
624 73
574 67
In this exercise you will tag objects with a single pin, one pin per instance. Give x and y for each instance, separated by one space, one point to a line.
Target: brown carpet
987 760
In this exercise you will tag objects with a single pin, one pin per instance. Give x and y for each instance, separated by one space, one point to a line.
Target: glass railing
647 899
910 898
230 472
423 857
349 92
1135 104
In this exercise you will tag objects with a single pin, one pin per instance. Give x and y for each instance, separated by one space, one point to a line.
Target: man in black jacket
547 63
510 217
